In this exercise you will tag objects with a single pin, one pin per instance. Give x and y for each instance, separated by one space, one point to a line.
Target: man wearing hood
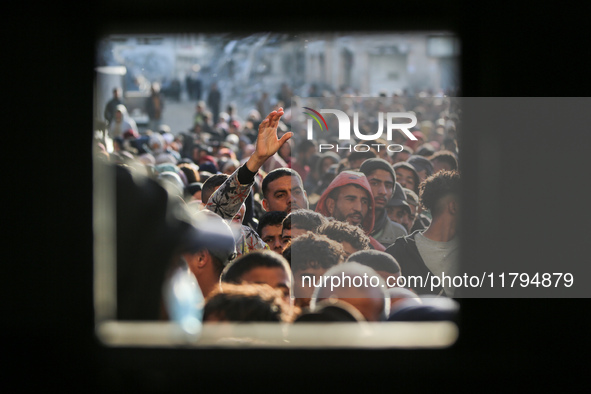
348 198
382 180
112 105
121 122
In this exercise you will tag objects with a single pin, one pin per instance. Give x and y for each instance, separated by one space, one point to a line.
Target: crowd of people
265 221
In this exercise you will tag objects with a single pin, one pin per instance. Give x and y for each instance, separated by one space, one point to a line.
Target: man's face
405 178
382 187
271 235
352 205
273 276
400 215
286 237
284 194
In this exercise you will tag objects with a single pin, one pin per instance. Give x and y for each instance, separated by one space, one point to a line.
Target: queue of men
264 249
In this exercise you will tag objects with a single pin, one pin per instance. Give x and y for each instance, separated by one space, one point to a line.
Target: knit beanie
370 165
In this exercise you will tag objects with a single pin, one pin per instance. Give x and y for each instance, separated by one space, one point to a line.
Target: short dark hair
379 261
210 233
276 174
191 171
345 232
257 258
247 303
194 187
218 265
447 157
272 218
210 184
286 224
306 219
438 186
315 251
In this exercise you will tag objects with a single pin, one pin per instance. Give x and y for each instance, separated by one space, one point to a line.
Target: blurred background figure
214 100
155 107
112 105
121 122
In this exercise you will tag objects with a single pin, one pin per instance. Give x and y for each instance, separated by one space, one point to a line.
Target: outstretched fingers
285 137
274 118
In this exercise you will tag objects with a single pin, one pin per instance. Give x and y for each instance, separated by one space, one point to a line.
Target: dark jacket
405 251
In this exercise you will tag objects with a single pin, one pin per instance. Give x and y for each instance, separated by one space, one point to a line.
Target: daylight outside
283 180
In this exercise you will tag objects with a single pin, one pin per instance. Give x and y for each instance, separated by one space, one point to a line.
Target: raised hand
267 143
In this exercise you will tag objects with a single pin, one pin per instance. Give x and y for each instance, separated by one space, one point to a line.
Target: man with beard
348 198
382 179
283 190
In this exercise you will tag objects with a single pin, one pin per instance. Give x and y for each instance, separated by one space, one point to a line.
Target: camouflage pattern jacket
226 202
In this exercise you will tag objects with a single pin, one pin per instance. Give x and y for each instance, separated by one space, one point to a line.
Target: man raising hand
267 143
226 201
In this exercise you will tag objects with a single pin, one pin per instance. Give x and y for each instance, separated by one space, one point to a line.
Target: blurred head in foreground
358 285
260 267
247 303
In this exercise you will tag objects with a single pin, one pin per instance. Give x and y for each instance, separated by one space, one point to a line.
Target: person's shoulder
403 242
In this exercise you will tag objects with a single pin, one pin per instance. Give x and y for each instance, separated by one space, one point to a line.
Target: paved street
178 115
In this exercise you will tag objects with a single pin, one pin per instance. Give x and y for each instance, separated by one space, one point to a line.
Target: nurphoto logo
344 128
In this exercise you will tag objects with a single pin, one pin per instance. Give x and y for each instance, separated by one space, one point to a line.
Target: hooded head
358 181
381 178
121 108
